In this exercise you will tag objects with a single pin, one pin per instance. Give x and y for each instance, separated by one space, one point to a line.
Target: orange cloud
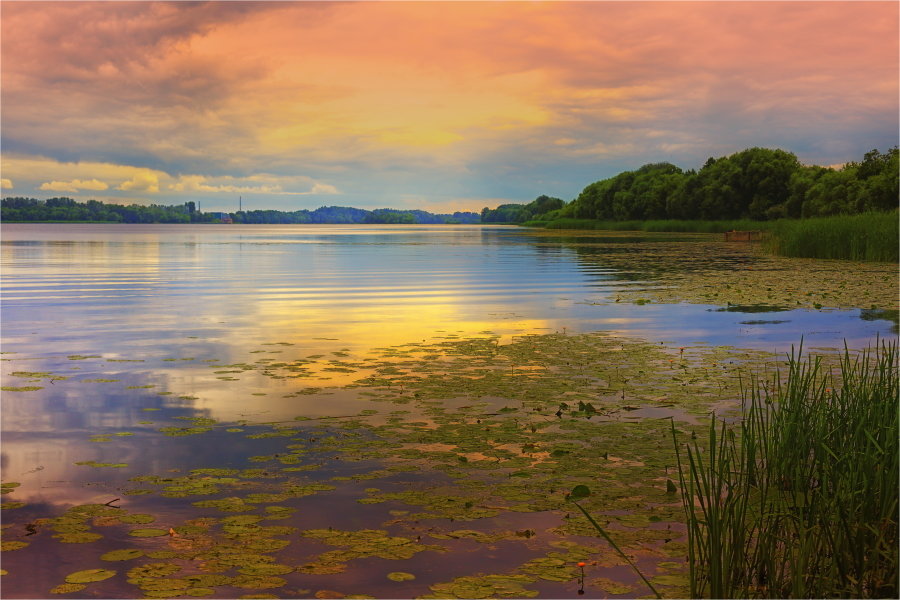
486 98
142 182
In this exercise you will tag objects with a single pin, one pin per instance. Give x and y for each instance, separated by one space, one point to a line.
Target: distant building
223 217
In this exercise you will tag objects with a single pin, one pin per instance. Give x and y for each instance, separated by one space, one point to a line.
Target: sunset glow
434 105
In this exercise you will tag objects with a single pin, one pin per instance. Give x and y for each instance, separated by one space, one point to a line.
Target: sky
439 106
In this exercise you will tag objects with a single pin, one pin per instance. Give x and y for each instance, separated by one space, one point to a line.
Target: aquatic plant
869 236
582 491
801 498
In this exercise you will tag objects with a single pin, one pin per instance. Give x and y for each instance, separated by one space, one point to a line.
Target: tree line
349 215
67 209
19 209
519 213
757 183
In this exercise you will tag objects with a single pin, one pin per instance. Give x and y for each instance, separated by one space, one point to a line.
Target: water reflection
128 329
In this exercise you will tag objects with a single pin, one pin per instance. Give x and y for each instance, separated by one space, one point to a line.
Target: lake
176 354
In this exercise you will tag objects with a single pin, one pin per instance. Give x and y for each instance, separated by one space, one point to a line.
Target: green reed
869 236
866 237
800 499
655 226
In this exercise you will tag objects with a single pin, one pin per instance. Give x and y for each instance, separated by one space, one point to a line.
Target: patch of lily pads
482 431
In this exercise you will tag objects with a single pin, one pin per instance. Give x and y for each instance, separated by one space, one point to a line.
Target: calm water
164 290
116 308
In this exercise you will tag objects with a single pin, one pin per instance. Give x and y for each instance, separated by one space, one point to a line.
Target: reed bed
869 237
800 499
656 226
866 237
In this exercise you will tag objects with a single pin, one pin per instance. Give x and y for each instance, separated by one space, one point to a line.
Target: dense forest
67 209
757 183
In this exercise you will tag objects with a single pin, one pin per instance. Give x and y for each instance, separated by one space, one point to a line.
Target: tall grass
802 500
674 225
869 236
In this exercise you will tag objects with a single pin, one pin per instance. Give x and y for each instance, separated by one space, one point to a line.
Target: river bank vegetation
799 500
757 184
871 236
808 211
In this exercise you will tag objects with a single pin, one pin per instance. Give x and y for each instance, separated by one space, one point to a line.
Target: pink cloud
350 88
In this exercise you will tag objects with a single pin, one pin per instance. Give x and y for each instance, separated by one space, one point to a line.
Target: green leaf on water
137 518
68 588
93 463
89 575
78 537
6 546
8 487
400 576
117 555
579 492
148 532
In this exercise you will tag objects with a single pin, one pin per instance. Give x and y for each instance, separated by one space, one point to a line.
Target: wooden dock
743 236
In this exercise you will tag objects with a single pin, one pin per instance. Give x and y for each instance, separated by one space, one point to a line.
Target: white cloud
74 185
6 184
199 183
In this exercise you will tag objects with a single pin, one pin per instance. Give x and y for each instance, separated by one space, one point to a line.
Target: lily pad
117 555
148 532
68 588
89 575
10 545
137 518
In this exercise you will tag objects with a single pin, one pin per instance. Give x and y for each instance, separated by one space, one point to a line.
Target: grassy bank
800 500
867 237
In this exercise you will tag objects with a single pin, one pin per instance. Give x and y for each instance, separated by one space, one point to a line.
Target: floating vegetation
120 555
39 375
22 388
68 588
359 544
136 518
8 486
148 532
707 270
484 586
7 546
483 431
93 463
89 576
